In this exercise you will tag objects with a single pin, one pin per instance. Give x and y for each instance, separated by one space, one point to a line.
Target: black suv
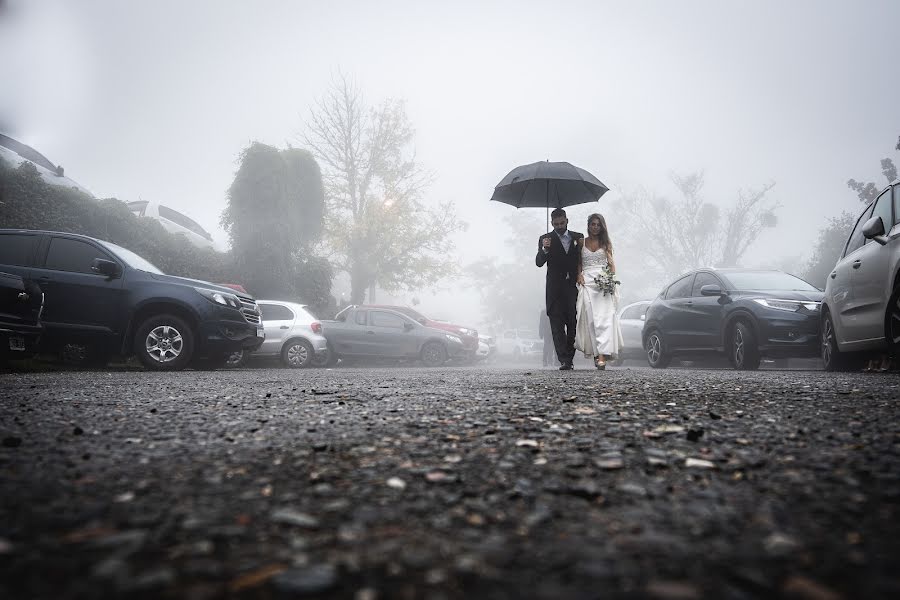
112 301
744 313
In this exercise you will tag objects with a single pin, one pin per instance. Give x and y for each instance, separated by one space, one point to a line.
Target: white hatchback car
861 308
292 333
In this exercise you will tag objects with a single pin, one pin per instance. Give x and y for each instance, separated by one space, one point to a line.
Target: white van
173 222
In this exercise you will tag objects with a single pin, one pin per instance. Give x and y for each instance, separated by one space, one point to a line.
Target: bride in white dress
597 331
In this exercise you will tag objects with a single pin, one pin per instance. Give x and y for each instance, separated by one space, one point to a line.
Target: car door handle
284 327
370 332
834 274
856 264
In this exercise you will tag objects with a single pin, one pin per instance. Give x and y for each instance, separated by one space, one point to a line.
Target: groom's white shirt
565 239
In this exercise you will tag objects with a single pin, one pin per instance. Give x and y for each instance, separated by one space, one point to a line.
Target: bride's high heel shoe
601 365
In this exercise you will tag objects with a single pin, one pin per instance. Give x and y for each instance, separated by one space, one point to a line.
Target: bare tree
672 236
379 229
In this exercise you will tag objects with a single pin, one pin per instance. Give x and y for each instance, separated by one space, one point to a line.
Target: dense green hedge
29 202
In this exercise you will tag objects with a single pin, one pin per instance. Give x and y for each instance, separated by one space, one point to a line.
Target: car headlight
222 298
788 305
453 338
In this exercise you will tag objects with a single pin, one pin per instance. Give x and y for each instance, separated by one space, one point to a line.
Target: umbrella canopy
548 185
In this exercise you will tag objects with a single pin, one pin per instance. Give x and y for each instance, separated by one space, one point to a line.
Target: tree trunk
358 284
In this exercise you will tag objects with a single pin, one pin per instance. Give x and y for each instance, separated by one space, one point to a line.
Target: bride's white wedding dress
597 329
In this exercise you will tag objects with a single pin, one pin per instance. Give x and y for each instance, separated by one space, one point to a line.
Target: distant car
468 335
861 308
519 343
487 348
292 333
366 332
21 304
173 222
745 314
631 321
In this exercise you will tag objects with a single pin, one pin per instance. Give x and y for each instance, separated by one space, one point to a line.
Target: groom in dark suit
560 251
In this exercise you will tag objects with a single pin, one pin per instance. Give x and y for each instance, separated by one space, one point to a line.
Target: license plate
260 332
17 344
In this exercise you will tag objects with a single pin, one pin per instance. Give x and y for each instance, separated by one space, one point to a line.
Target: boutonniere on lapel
577 241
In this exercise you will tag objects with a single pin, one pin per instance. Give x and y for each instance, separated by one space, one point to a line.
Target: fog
156 101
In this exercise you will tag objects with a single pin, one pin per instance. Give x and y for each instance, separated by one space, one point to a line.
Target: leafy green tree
829 246
273 217
379 226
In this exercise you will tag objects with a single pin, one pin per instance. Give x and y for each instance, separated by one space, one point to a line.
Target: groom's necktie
566 240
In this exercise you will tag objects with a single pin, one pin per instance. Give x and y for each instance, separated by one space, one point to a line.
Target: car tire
892 323
297 354
433 354
832 357
743 349
658 356
237 359
176 354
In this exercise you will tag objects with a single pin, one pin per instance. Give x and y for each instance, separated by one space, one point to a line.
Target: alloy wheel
654 348
164 343
827 337
894 323
297 355
738 347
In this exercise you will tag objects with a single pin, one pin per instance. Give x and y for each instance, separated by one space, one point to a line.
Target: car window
883 208
702 279
17 249
896 189
386 319
856 239
681 288
138 207
71 255
275 312
634 312
360 317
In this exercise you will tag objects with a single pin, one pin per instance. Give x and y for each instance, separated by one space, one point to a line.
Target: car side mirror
712 290
107 268
874 230
407 326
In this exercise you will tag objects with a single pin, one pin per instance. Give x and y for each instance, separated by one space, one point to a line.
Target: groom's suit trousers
562 323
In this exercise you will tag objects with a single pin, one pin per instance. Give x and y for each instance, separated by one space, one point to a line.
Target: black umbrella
548 184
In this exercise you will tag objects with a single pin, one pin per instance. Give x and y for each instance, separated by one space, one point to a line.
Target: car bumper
229 336
789 335
19 339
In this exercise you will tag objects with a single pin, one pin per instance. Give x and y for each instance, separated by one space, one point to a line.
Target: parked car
173 221
21 304
744 313
519 343
366 332
487 348
114 302
861 308
631 320
292 333
468 335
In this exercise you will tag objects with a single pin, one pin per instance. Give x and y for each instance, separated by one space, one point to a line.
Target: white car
861 307
519 343
292 333
173 222
631 321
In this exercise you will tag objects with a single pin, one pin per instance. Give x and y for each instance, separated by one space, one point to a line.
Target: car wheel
164 343
744 350
297 354
237 359
892 323
433 354
832 357
657 355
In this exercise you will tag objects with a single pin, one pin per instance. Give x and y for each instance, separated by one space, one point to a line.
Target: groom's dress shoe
566 367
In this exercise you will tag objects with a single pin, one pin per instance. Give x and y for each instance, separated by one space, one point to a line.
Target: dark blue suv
114 302
744 313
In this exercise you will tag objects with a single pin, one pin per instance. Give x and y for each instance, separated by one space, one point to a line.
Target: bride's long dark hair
605 242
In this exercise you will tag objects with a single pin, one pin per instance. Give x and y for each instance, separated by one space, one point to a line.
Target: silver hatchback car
292 333
861 308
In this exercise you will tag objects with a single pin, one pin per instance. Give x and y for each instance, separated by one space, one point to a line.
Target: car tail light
316 327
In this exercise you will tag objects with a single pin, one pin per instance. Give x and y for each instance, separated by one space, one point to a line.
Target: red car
468 335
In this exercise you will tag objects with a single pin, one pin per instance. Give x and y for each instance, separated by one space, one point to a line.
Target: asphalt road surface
450 483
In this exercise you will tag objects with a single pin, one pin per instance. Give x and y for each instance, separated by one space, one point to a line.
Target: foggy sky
156 100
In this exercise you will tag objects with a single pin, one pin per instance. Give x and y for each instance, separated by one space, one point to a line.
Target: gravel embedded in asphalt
450 483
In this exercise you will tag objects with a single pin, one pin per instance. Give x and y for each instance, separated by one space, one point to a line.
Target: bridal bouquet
606 281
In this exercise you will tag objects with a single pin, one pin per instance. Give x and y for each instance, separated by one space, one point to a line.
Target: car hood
197 283
815 296
450 327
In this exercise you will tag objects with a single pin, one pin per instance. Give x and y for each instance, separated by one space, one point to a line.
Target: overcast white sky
156 99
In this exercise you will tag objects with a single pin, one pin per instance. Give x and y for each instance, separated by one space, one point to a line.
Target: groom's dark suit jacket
559 264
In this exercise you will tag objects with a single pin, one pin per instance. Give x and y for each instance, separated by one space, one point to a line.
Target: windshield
131 259
769 281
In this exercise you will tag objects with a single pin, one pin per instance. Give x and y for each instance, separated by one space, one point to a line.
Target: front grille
250 310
